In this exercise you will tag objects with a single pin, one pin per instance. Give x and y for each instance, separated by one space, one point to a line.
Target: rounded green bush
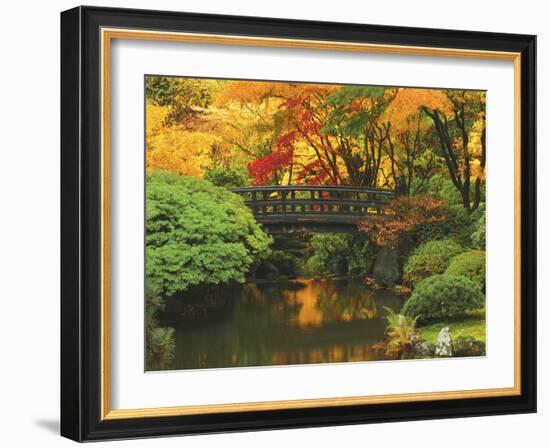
429 259
442 297
478 235
469 264
458 226
198 234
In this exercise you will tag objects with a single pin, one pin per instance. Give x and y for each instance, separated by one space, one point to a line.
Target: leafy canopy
198 234
186 98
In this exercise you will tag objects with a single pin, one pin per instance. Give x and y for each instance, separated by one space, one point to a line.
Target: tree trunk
477 193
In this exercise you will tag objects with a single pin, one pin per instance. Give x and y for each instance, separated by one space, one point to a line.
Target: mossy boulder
468 346
267 271
386 267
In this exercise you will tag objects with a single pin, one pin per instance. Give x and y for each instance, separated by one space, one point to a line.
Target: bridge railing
328 200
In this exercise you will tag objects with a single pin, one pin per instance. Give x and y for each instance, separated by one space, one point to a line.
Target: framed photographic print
274 224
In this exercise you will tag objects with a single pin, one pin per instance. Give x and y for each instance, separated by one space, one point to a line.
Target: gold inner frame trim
107 35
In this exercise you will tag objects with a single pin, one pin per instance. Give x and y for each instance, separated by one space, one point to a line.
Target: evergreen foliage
469 264
430 258
198 234
443 296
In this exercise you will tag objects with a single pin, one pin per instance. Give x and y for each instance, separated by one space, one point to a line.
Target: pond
303 321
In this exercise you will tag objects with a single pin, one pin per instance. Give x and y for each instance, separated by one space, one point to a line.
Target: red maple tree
404 215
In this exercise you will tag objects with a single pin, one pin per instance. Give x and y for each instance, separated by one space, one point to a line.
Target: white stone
444 345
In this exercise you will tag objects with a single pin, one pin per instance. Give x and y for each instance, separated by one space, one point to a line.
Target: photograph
291 223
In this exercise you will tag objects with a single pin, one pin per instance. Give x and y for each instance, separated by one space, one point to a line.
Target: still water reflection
302 322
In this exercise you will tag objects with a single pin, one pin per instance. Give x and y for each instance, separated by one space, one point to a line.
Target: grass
471 325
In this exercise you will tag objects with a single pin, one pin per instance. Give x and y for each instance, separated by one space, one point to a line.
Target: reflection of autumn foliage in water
334 353
354 302
313 303
296 306
290 322
305 302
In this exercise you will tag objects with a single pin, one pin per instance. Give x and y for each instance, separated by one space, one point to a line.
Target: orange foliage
256 92
246 92
407 102
404 215
337 138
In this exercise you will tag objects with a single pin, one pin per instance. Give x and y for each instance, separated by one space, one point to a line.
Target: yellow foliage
154 121
245 92
254 91
474 141
174 148
246 120
181 151
408 101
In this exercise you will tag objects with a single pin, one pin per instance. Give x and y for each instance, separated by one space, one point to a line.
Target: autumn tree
357 123
180 136
247 118
185 98
402 217
292 133
290 118
458 118
411 153
455 131
175 148
338 133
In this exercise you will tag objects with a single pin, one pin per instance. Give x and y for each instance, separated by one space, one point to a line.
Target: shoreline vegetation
205 245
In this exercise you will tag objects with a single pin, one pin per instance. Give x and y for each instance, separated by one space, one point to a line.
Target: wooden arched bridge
304 208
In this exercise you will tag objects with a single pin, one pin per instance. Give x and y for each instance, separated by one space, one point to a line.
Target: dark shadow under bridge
304 208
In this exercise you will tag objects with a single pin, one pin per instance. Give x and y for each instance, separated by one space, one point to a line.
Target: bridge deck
314 208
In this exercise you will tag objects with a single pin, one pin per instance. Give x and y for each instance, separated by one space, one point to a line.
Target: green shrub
285 262
334 249
478 213
161 348
222 177
430 258
314 267
197 234
400 333
160 343
442 186
469 264
442 297
478 234
458 226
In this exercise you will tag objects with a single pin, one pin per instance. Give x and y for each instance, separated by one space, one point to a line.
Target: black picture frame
81 224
